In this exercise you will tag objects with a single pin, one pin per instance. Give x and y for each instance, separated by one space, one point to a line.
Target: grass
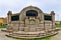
47 38
2 26
58 25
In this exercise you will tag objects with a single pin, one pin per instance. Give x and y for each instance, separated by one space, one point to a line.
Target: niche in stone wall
15 18
47 17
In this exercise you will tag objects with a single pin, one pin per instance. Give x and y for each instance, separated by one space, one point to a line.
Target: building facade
57 22
30 19
3 21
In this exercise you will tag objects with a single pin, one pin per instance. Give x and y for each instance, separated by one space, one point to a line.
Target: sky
17 5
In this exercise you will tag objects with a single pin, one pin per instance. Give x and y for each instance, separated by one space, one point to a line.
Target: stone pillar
9 17
43 21
53 19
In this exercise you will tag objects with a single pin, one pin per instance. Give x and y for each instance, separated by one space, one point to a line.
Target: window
47 17
31 13
15 18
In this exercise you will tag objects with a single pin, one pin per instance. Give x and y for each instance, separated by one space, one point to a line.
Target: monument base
38 34
30 35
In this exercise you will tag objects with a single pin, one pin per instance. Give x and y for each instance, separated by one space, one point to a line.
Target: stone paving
57 37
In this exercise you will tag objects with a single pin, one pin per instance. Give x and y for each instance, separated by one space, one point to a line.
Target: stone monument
30 22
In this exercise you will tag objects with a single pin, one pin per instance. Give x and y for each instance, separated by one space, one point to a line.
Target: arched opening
31 13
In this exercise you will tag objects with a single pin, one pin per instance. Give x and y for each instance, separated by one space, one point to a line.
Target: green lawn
47 38
2 26
58 25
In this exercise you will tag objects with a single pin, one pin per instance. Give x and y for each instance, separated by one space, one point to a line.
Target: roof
16 14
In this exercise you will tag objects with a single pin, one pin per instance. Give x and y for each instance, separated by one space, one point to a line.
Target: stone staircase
26 34
30 34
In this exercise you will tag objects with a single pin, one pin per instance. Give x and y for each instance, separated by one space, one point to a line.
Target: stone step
24 35
27 35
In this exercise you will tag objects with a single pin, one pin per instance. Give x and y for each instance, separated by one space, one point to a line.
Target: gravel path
57 37
3 37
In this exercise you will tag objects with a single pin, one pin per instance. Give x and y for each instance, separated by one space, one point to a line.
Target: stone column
9 17
43 21
53 19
